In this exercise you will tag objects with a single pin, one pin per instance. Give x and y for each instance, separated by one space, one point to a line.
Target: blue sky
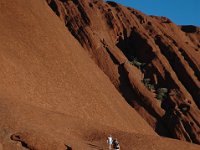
182 12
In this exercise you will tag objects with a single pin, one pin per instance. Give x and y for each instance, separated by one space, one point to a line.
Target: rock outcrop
54 97
51 93
152 62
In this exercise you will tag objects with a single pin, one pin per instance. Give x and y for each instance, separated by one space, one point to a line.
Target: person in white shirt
109 141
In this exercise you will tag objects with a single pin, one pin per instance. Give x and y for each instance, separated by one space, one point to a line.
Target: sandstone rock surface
53 96
162 54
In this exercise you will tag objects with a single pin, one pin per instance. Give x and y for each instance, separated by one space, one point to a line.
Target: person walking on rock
109 141
116 144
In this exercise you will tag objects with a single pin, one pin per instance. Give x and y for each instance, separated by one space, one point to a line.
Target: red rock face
152 62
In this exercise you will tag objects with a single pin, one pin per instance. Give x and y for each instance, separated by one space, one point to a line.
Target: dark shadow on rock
132 98
17 137
136 45
112 4
112 56
95 146
54 7
162 129
68 147
189 28
179 69
125 87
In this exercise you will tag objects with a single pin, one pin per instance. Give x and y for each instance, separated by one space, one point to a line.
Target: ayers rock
71 78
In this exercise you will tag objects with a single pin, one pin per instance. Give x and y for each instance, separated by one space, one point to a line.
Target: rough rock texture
142 55
50 89
54 97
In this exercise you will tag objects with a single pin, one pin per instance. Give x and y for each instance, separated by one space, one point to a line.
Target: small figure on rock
116 144
109 141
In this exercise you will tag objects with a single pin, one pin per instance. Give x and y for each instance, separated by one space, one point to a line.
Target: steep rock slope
51 92
53 96
151 61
